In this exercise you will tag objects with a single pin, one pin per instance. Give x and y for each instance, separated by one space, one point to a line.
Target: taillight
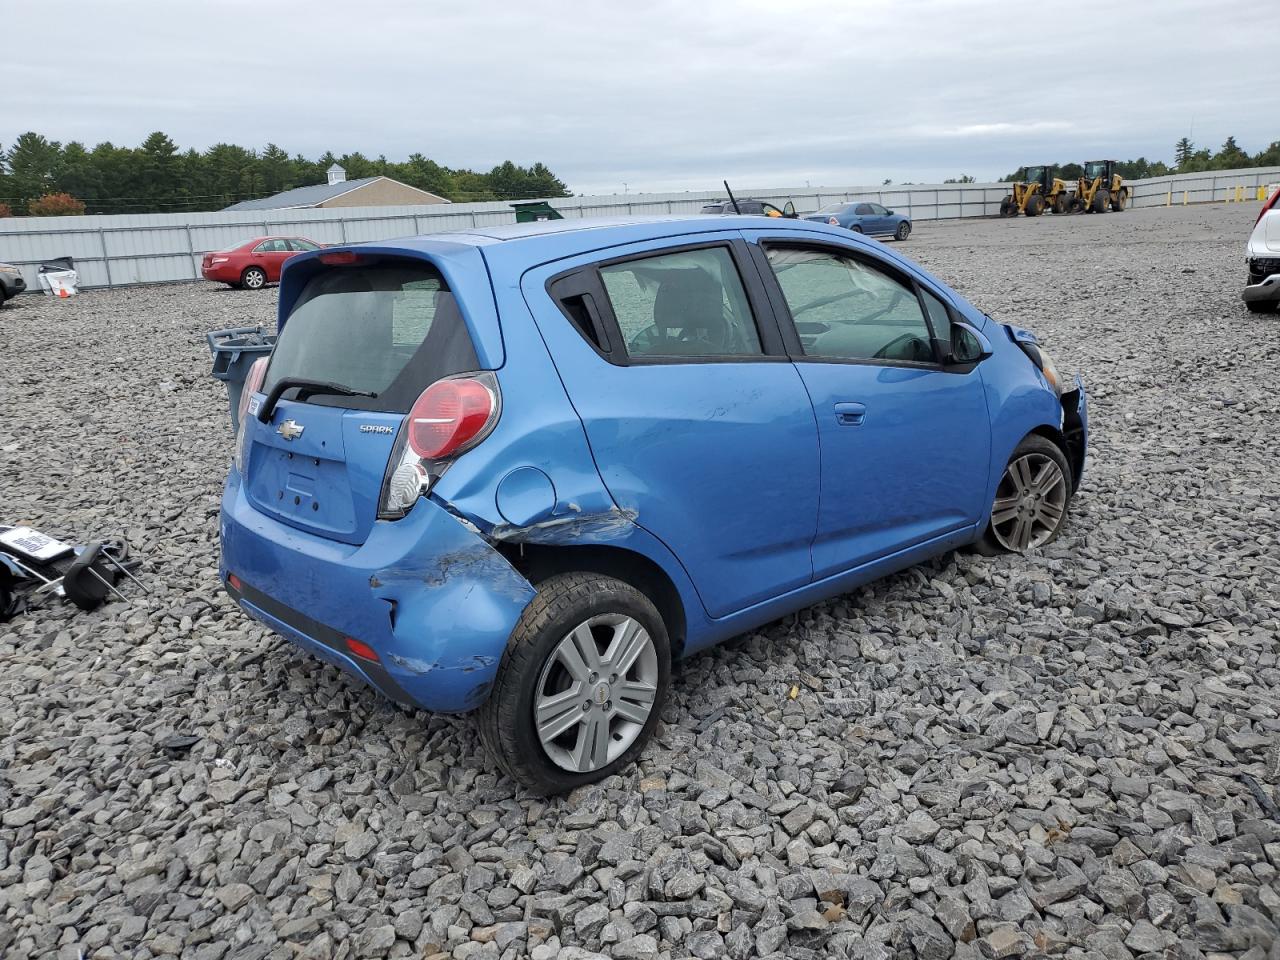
252 384
1267 206
450 417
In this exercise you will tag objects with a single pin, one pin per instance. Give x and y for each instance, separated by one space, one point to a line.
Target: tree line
1187 158
39 176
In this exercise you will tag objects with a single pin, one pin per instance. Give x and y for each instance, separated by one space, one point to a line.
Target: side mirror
966 347
789 211
889 212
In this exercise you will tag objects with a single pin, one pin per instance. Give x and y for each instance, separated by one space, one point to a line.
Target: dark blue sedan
864 217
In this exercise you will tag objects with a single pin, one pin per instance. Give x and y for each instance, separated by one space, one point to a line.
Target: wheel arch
538 561
1063 443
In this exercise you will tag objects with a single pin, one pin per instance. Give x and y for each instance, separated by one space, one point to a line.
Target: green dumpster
532 211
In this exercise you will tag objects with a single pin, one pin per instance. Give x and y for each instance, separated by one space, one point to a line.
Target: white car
1262 253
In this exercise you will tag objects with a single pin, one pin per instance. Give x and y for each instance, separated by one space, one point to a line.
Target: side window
302 245
686 304
862 210
272 246
965 347
845 309
751 206
878 210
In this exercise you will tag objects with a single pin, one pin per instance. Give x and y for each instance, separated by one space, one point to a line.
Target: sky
655 96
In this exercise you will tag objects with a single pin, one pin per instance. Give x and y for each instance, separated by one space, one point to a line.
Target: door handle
849 413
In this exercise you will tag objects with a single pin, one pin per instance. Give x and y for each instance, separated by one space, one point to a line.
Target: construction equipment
1100 187
1039 191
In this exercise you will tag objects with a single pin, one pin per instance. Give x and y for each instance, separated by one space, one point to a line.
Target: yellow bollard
1240 194
1184 197
1168 198
1262 193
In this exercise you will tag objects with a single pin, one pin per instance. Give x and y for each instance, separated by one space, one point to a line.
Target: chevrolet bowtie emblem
290 430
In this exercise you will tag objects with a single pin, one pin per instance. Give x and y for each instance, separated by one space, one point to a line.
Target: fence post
106 260
191 252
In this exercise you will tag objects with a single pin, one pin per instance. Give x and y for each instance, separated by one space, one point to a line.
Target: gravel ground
1071 754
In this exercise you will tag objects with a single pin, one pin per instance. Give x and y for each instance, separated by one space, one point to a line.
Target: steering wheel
920 351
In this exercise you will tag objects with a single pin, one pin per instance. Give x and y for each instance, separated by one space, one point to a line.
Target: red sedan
254 263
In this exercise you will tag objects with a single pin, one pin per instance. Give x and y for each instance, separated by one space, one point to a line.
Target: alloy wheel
1030 503
254 279
595 692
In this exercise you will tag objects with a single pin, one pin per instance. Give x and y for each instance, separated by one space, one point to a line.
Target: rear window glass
389 329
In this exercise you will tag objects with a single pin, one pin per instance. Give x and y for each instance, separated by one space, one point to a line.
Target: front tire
903 231
254 278
1101 200
1262 306
581 684
1032 498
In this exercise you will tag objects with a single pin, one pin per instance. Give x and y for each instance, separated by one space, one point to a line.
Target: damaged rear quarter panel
452 603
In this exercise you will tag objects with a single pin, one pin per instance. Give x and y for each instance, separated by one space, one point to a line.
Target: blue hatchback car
521 470
872 219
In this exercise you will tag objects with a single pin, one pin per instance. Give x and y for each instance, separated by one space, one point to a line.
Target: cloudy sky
657 95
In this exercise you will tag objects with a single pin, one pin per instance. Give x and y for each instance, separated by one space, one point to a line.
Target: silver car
1262 295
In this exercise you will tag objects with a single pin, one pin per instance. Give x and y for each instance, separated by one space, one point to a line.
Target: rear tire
1007 207
1035 206
1262 306
537 690
903 231
1120 201
1031 501
1060 205
856 229
253 278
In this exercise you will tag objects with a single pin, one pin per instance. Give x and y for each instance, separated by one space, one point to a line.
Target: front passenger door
905 442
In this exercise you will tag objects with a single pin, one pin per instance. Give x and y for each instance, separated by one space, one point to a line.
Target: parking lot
1075 753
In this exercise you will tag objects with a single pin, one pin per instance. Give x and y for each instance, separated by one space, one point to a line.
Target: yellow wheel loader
1040 191
1100 187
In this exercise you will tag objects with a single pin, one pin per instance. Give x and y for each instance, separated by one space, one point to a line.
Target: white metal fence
163 247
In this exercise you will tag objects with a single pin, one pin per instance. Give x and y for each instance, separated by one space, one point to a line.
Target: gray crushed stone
1031 757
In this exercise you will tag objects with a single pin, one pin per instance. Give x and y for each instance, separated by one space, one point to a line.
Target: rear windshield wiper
306 388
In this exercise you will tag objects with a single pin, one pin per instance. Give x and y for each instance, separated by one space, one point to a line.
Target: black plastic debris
177 746
34 565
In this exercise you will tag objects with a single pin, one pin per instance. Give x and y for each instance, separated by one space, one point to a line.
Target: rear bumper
432 598
1268 289
222 273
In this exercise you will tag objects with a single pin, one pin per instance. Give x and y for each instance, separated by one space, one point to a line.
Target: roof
303 196
558 238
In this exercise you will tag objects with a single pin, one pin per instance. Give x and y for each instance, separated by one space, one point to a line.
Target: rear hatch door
380 326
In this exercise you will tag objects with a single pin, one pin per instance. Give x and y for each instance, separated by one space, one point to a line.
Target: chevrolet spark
521 470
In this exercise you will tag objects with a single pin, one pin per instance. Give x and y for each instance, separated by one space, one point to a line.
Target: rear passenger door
273 255
699 423
905 442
